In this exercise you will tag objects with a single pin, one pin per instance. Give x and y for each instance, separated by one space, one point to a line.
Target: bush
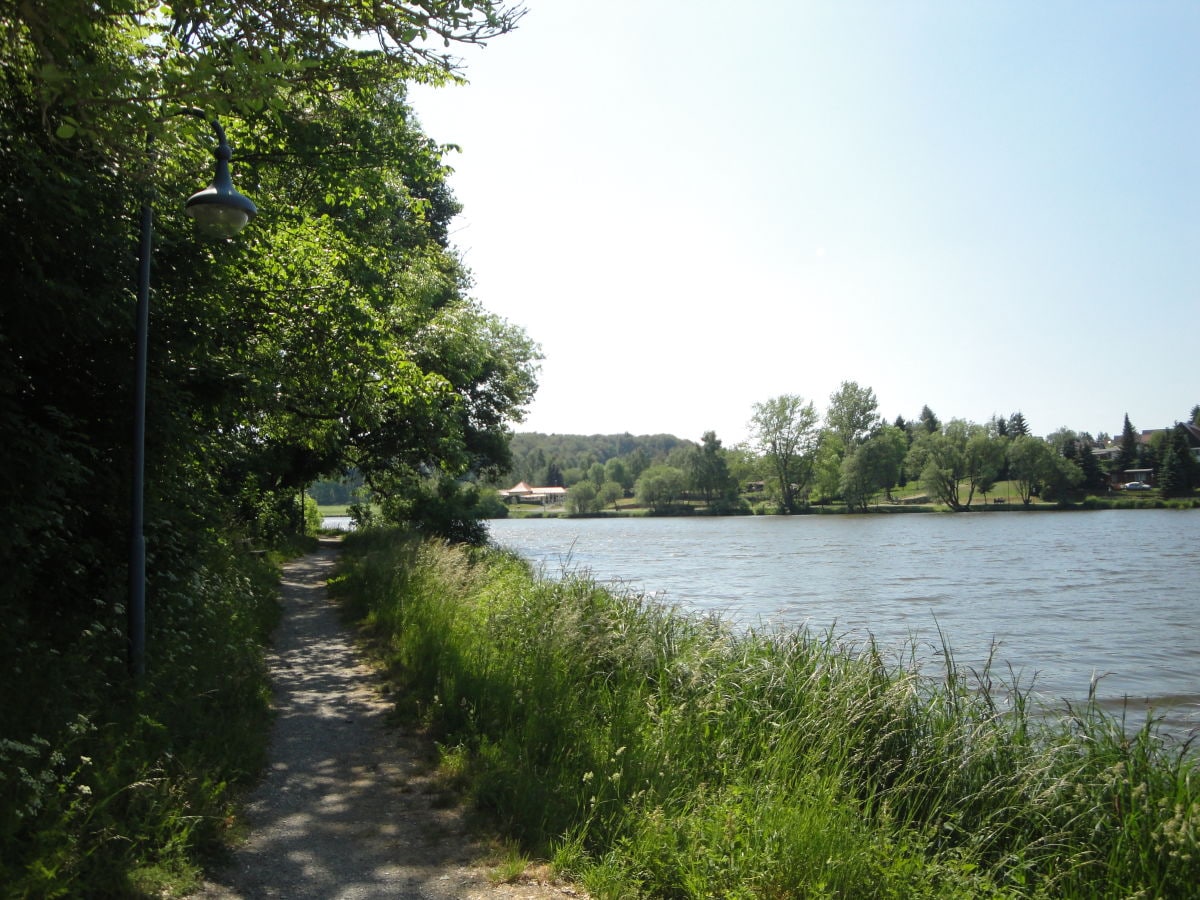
312 516
108 788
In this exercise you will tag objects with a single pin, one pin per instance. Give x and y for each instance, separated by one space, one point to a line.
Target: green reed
653 753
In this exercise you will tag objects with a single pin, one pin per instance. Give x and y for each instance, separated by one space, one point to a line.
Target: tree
1064 441
582 498
784 432
745 465
825 479
873 466
614 470
1196 414
636 463
553 476
852 414
1026 461
1093 477
985 461
1034 466
929 421
610 492
1177 469
659 487
1017 426
943 460
1061 477
708 471
1127 458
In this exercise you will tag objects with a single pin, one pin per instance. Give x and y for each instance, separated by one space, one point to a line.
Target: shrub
109 788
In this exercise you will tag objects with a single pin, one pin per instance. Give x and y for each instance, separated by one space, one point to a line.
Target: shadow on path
344 810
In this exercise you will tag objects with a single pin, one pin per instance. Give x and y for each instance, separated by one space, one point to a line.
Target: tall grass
658 754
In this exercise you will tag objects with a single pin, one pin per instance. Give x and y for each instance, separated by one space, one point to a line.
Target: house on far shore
522 493
1193 436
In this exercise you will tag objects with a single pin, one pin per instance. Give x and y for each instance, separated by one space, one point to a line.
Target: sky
693 206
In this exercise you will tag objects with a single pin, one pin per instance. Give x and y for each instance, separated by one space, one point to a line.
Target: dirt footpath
348 808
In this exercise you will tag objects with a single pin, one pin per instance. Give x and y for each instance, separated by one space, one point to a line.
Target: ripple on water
1067 595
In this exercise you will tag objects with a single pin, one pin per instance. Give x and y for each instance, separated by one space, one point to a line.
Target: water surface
1066 597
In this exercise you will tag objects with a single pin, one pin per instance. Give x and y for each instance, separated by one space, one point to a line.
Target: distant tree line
797 457
856 456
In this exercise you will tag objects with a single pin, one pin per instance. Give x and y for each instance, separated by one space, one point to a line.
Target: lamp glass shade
218 218
220 210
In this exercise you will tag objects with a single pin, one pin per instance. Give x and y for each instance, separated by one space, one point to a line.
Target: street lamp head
220 210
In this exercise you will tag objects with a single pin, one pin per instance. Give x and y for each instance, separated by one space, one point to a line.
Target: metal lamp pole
220 211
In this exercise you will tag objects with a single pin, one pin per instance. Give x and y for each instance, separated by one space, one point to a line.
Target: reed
653 753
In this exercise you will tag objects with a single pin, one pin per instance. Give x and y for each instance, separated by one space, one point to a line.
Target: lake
1065 596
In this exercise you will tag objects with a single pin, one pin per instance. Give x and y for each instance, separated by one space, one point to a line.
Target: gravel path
348 807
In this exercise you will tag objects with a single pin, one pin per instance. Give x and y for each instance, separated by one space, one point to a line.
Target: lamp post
220 211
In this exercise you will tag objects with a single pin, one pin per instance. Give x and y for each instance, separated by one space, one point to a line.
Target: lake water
1065 596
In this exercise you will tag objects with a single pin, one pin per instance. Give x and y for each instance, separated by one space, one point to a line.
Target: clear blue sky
980 206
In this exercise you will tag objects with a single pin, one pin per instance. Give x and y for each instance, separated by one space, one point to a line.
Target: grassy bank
114 789
654 754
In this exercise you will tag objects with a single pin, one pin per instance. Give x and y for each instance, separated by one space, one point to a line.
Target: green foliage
337 492
708 472
873 466
1178 472
583 498
624 456
1035 467
442 507
610 492
615 471
335 333
826 476
852 414
928 421
660 487
1089 466
784 432
945 460
312 516
1128 458
656 754
103 785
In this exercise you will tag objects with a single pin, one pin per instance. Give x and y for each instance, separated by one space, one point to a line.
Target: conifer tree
929 421
1128 457
1177 470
